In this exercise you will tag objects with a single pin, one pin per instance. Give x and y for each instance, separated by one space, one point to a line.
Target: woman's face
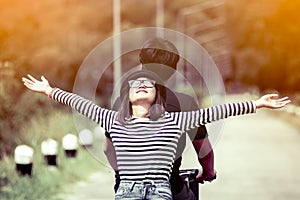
142 90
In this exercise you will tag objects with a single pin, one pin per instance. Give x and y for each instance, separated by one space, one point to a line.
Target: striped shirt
145 149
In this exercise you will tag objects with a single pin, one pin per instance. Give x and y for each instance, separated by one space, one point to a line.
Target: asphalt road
256 157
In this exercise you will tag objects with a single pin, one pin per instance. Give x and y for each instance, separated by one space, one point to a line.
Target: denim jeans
144 190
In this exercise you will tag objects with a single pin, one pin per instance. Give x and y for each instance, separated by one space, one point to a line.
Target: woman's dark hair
160 51
158 107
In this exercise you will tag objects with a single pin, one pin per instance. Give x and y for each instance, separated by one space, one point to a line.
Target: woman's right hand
33 84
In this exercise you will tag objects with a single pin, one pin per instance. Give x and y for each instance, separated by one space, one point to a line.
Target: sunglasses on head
136 83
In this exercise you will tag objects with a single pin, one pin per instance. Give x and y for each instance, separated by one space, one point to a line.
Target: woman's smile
141 90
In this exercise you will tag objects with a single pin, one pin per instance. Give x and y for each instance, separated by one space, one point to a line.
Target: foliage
265 45
17 108
9 114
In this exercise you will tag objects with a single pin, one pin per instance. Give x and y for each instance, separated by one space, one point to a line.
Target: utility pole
160 17
116 40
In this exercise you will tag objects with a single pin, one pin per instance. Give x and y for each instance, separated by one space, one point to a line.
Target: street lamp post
116 40
160 17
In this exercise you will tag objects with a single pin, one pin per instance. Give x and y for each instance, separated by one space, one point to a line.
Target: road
256 157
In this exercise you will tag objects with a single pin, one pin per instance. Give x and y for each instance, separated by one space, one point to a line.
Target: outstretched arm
101 116
35 85
190 120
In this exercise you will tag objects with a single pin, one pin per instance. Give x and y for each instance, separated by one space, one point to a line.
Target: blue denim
146 190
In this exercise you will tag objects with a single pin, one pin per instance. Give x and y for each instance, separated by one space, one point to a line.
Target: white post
86 138
117 40
70 145
49 149
23 156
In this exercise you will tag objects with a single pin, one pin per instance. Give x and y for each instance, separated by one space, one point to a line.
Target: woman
144 136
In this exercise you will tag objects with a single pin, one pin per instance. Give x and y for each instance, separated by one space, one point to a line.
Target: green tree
265 45
9 92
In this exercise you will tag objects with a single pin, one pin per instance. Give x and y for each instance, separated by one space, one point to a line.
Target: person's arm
101 116
110 153
205 156
193 119
108 148
201 143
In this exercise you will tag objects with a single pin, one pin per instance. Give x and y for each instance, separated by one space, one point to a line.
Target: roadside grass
45 181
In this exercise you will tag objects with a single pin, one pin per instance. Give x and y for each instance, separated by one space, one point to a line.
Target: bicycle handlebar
189 173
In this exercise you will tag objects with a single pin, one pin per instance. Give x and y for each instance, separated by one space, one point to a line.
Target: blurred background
255 45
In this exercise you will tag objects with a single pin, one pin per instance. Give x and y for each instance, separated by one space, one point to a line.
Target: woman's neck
140 111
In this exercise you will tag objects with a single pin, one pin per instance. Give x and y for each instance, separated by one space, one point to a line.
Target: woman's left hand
33 84
272 101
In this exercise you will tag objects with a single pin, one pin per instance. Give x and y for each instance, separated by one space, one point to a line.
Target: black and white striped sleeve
101 116
189 120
